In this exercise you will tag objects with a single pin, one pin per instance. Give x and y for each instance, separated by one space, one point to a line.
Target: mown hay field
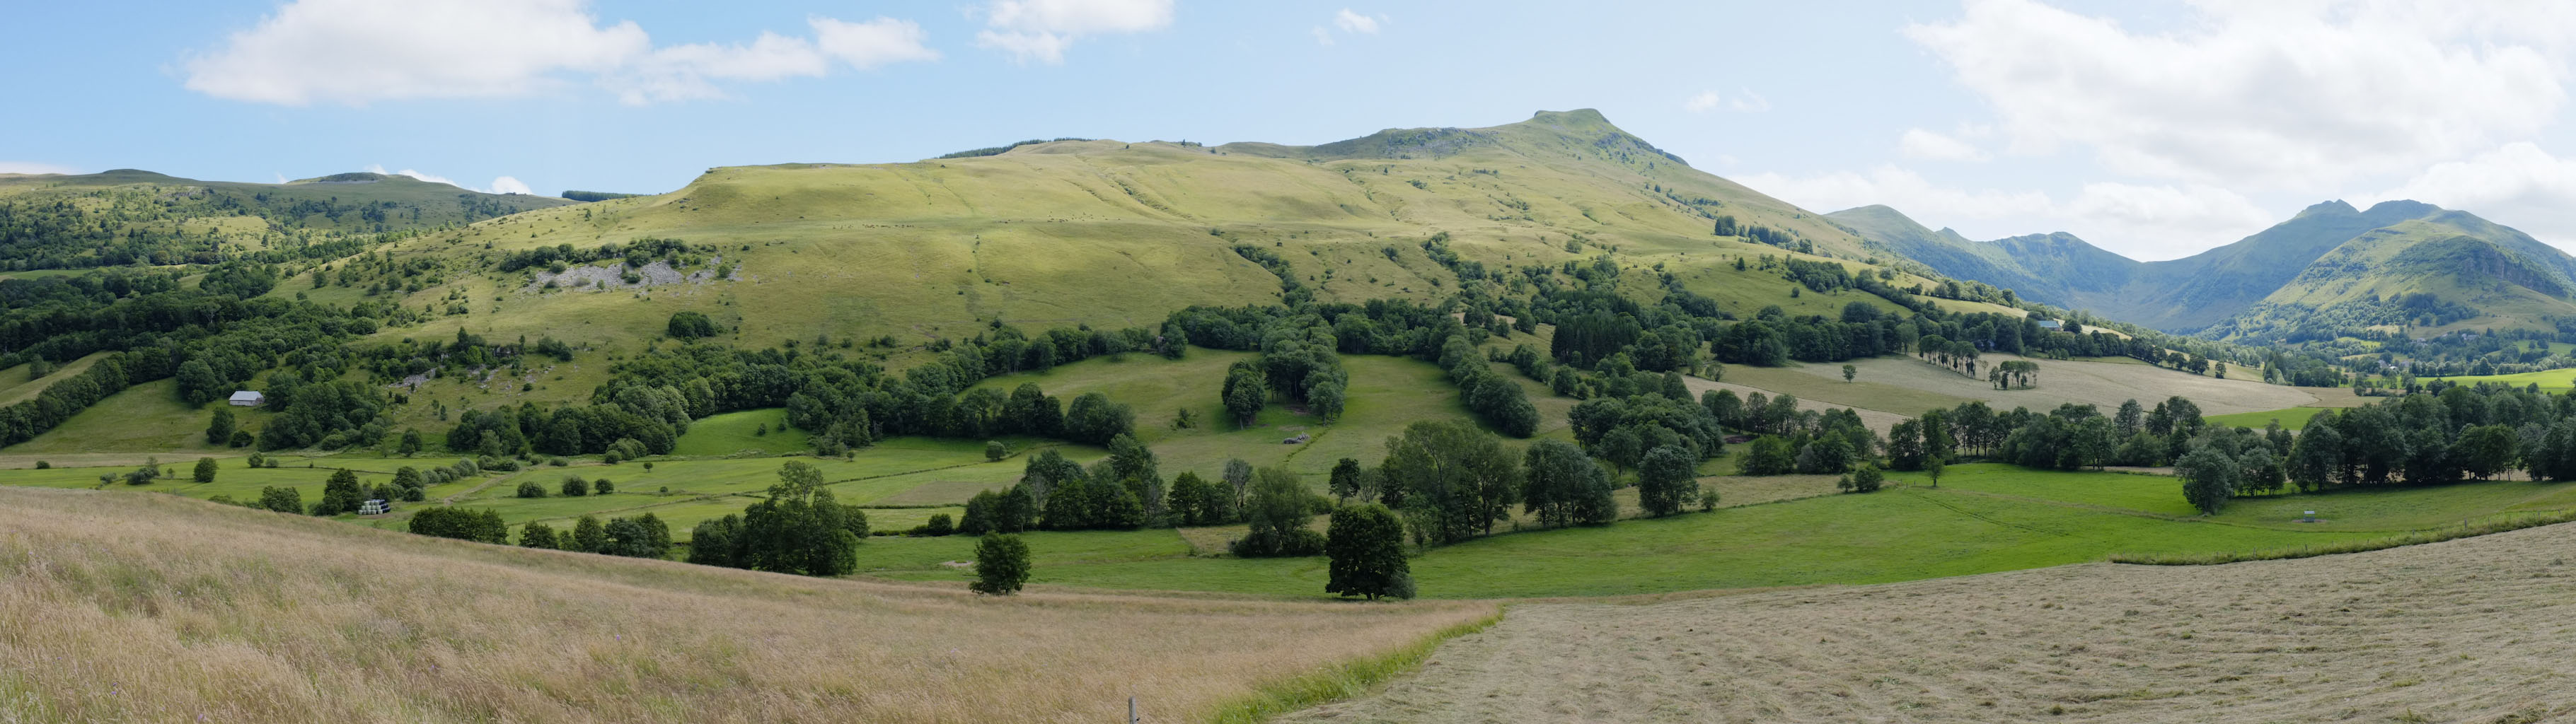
2471 630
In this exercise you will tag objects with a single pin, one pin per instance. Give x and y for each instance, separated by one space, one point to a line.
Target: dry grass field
2471 630
152 608
2102 383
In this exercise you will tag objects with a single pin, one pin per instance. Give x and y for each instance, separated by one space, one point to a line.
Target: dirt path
2473 630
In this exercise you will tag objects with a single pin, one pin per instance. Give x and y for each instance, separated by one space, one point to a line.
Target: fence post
1131 710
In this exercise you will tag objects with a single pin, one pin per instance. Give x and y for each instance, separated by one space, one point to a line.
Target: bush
1865 480
574 486
1001 565
940 524
42 465
283 500
242 438
530 489
691 325
994 451
205 470
603 487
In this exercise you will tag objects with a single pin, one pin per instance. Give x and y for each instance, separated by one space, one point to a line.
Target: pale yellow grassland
150 608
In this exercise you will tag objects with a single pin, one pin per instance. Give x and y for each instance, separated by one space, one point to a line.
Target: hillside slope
128 216
139 607
2330 267
1062 233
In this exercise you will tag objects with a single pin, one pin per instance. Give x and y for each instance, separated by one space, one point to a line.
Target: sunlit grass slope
157 608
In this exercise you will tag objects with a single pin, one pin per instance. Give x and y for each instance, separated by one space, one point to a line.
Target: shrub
1865 480
530 489
1001 565
283 500
603 487
205 470
994 451
242 438
574 486
42 465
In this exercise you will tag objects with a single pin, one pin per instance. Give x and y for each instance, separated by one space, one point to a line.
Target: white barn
248 398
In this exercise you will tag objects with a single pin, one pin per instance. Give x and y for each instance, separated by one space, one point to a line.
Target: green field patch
23 387
947 491
146 417
2552 380
2295 418
735 432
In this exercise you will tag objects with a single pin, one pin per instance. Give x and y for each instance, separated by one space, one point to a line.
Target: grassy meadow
155 608
2295 418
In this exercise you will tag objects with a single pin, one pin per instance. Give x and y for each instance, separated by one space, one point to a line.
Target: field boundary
1344 680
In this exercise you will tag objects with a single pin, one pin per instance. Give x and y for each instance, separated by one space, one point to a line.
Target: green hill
1060 233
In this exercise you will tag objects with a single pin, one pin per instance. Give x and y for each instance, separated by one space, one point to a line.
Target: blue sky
2152 129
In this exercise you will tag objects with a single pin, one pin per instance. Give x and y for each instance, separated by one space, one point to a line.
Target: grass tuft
1341 681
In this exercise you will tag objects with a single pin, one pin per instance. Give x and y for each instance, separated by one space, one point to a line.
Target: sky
2153 129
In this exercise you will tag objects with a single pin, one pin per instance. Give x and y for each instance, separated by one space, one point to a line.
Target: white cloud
2518 184
500 185
1351 22
1322 36
873 43
1926 145
2271 95
34 167
1043 29
1744 102
356 52
2140 221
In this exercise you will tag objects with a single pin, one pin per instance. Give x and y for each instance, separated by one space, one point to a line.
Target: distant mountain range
2398 264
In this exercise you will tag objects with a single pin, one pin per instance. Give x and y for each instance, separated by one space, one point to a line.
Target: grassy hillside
126 216
155 608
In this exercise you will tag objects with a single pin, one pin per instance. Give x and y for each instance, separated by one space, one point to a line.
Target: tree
1345 480
801 528
1562 486
530 489
1457 480
2316 457
283 500
219 431
994 451
691 325
1326 400
411 443
1932 467
588 536
1278 509
1666 481
537 535
1094 420
1001 565
1245 393
2208 478
1849 372
1366 546
340 494
205 470
2483 451
1768 455
574 486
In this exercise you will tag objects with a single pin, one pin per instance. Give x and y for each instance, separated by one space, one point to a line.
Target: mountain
129 216
1063 232
2398 263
